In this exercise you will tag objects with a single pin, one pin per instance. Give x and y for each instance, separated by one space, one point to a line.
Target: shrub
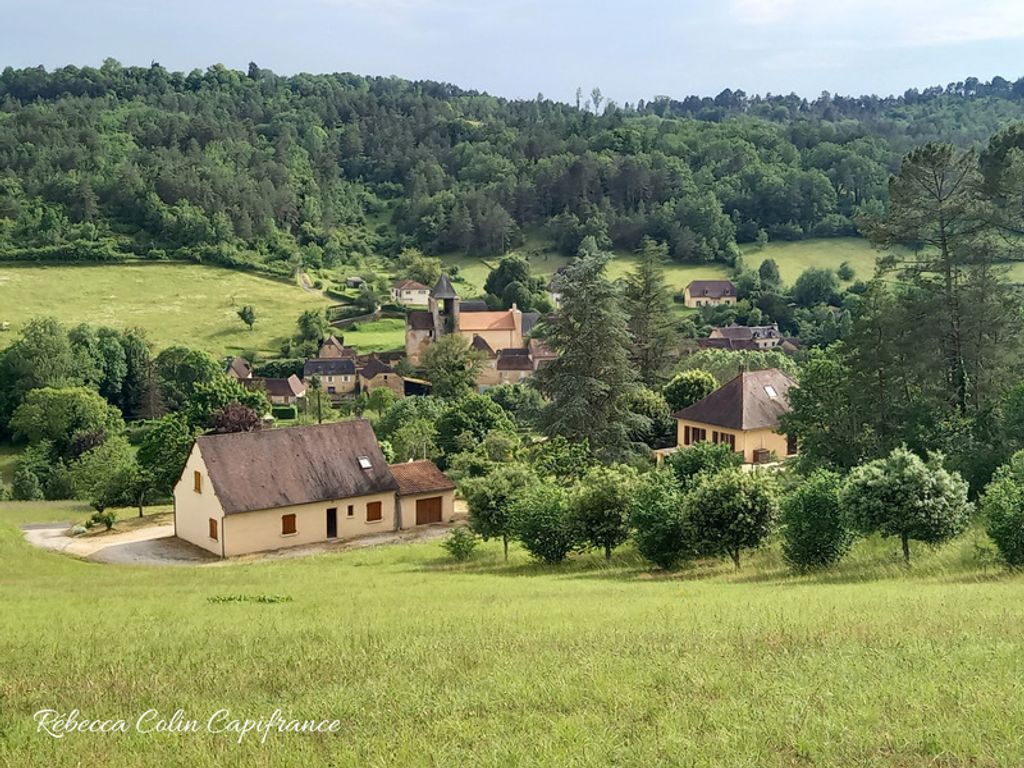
541 522
815 534
845 272
731 511
900 495
26 485
1002 505
5 492
656 514
284 412
689 464
106 518
460 544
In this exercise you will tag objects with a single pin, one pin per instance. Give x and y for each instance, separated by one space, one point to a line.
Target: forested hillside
268 172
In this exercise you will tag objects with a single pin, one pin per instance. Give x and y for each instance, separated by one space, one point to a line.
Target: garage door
428 510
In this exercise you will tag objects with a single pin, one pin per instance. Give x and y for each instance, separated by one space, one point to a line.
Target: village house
411 293
376 374
490 331
256 491
744 414
749 337
709 293
279 391
239 368
337 375
333 347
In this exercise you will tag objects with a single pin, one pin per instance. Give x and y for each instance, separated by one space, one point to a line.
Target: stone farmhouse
709 293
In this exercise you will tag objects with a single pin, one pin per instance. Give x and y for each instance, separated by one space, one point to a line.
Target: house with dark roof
709 293
410 292
333 347
280 391
337 375
257 491
376 374
749 337
239 368
744 414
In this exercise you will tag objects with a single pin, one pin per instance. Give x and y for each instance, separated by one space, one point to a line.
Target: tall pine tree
588 382
648 303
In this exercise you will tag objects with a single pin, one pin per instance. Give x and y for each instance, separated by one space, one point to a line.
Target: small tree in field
599 507
540 518
247 315
687 388
1002 506
689 464
660 527
731 511
900 495
815 533
490 500
26 486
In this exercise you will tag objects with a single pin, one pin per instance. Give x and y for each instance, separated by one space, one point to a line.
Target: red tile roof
420 477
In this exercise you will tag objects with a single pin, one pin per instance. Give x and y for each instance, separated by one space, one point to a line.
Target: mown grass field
426 663
794 257
174 303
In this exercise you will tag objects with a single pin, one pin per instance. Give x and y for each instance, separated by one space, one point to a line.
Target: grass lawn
426 663
174 303
382 335
794 257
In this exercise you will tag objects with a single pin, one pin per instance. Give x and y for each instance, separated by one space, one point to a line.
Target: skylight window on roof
770 390
365 463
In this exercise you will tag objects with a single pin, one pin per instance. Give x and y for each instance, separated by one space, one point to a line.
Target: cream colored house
410 292
709 293
744 414
256 491
337 375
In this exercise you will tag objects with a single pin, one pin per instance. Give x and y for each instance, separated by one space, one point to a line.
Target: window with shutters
213 529
699 434
374 511
686 435
197 482
288 525
351 511
790 445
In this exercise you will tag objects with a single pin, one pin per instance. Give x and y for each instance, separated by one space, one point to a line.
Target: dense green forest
253 169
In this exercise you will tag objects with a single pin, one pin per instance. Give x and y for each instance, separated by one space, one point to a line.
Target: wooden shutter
686 435
374 511
213 529
288 524
197 481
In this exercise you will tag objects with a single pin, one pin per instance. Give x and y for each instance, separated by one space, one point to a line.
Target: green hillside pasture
382 335
426 663
793 258
174 303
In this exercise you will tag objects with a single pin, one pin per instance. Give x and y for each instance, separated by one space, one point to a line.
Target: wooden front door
428 510
332 523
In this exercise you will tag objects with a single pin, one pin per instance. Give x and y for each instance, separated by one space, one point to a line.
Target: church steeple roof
444 289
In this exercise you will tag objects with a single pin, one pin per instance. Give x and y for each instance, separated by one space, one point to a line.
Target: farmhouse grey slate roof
714 289
298 465
329 366
744 403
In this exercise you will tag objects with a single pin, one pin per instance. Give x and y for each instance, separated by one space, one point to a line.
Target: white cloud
886 23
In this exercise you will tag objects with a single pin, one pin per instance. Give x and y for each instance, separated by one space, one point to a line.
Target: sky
630 49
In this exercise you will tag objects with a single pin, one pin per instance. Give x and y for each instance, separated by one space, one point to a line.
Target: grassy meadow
794 257
174 303
429 663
